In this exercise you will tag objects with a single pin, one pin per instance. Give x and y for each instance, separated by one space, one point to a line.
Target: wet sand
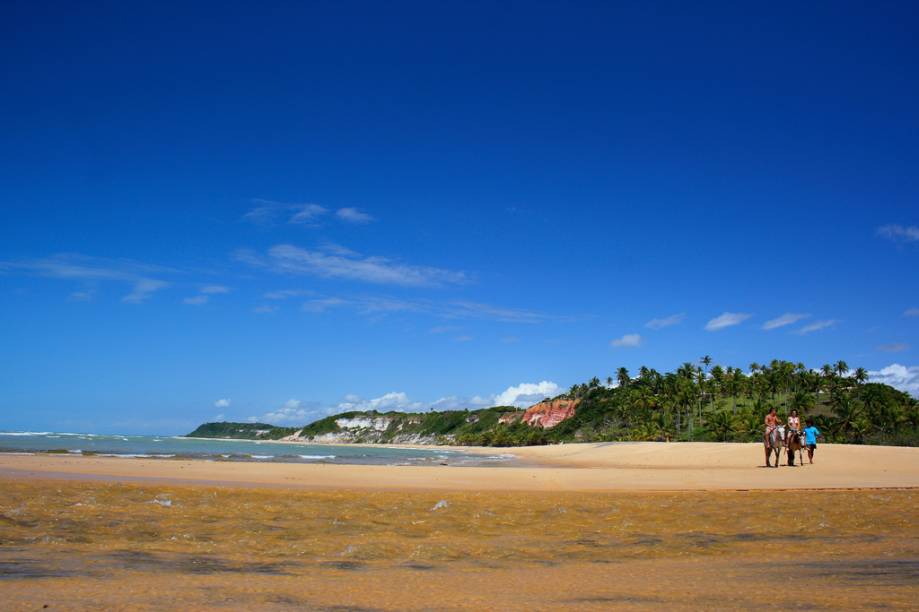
569 467
586 531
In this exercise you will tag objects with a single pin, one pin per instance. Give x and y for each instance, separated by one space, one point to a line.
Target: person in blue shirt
810 439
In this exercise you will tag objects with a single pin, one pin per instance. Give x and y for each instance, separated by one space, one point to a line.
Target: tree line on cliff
697 402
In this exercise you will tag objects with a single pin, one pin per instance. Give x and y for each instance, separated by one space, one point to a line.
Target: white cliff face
377 424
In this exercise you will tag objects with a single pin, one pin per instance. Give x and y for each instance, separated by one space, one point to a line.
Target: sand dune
569 467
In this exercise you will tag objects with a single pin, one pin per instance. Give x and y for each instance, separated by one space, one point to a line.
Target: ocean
179 447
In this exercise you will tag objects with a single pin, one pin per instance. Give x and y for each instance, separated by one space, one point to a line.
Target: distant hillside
242 431
693 403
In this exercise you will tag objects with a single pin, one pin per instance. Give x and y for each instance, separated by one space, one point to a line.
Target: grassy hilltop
699 403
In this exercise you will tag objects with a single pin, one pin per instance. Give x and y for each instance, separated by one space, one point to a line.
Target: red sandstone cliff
549 413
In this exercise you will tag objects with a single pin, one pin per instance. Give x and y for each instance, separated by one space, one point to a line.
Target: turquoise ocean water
178 447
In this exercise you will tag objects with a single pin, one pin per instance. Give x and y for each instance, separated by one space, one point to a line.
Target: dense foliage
696 402
241 431
726 404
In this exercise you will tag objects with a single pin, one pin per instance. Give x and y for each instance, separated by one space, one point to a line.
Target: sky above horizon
229 212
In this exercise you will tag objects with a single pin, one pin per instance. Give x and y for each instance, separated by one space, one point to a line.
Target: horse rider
772 421
794 427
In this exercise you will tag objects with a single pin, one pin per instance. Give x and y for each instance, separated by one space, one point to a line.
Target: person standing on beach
811 433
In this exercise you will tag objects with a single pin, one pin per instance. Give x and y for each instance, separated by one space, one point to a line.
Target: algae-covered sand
106 545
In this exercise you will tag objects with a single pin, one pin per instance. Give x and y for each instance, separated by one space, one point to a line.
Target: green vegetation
701 403
242 431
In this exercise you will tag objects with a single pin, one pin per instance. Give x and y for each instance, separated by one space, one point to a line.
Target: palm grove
705 402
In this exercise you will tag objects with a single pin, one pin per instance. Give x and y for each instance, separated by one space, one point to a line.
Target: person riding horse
770 437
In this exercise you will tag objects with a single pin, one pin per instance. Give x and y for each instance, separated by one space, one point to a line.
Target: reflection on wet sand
75 544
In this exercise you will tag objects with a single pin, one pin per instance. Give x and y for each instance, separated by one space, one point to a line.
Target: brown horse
774 441
795 445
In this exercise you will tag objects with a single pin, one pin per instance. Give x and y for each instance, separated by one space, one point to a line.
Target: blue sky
232 210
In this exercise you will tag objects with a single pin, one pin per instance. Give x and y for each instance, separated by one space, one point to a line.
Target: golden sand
568 467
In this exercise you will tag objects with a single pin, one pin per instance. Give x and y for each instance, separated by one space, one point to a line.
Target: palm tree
841 368
609 381
622 375
861 376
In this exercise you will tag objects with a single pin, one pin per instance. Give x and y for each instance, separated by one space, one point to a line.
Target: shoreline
639 466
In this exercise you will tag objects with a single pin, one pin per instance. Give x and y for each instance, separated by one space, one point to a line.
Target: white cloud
220 417
789 318
283 294
904 378
291 413
265 309
463 339
895 347
322 305
817 326
525 394
307 214
289 259
222 403
899 233
627 341
268 212
475 310
726 319
143 289
911 312
382 305
663 322
394 400
75 267
454 402
353 215
196 300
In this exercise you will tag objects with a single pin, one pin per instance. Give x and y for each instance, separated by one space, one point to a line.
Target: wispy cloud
911 312
353 215
899 233
204 294
394 400
725 320
290 259
450 310
284 294
309 214
674 319
269 212
95 269
265 309
894 347
627 341
817 326
222 403
789 318
904 378
293 412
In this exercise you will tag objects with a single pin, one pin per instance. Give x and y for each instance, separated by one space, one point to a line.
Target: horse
774 441
795 445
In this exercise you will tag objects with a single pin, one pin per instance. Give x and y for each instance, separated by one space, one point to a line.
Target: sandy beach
580 527
640 466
